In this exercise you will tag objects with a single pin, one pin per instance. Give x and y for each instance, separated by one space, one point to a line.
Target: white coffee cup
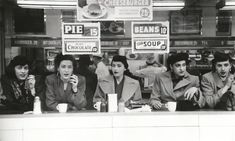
171 106
62 107
97 106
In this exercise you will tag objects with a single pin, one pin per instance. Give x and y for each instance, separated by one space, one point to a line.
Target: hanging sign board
106 10
81 38
150 37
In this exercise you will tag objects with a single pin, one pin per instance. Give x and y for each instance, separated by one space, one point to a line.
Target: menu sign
150 37
101 10
81 38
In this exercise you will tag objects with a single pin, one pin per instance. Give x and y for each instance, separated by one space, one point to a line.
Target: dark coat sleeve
10 100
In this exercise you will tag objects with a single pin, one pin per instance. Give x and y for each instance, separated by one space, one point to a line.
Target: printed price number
94 31
145 12
163 30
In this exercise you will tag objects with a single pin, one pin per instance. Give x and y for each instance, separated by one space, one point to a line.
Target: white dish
86 14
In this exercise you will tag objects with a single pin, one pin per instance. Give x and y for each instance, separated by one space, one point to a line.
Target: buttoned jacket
56 94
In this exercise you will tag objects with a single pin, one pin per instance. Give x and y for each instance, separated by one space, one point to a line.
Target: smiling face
21 72
118 68
223 68
65 69
179 68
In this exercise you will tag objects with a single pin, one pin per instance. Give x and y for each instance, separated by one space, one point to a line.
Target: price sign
81 38
150 37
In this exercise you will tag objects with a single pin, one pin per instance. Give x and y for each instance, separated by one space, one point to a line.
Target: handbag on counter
185 105
227 102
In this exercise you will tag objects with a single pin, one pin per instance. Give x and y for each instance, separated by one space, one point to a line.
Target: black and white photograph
117 70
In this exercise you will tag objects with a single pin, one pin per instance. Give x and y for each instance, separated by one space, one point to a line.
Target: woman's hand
31 81
74 82
156 104
230 80
190 93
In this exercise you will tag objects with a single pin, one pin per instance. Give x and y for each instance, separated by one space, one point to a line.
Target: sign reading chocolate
80 38
106 10
150 37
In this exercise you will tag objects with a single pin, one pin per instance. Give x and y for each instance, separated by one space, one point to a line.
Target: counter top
92 125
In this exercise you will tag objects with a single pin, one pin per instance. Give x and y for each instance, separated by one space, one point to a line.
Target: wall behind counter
53 22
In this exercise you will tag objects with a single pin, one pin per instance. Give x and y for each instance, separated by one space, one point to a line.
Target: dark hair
176 58
84 60
17 60
60 57
219 57
119 58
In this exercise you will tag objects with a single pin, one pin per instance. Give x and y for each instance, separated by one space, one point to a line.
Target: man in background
101 69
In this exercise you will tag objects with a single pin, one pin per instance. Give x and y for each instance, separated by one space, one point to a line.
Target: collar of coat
185 81
129 87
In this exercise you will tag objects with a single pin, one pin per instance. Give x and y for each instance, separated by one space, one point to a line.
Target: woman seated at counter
177 85
19 86
218 85
64 86
118 82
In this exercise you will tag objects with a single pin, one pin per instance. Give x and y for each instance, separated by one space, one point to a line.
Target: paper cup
171 106
62 107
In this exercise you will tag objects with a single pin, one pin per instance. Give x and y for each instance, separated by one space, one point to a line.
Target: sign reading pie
81 38
150 37
101 10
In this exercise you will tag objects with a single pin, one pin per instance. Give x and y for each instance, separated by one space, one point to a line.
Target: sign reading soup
101 10
150 37
81 38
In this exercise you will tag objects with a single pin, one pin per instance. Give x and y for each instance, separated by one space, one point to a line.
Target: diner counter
94 126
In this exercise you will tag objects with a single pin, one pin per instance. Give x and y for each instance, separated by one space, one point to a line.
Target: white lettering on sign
154 44
146 29
73 29
111 3
81 46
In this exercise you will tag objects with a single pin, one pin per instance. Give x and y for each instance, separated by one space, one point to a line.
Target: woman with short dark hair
65 86
177 85
119 82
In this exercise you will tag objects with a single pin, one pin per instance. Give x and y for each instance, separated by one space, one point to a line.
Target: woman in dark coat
20 87
65 86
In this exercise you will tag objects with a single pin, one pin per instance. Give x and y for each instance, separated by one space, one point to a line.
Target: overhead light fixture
47 4
226 5
158 5
168 5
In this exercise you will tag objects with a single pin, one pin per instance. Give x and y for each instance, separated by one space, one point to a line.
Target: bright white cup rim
171 108
62 107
